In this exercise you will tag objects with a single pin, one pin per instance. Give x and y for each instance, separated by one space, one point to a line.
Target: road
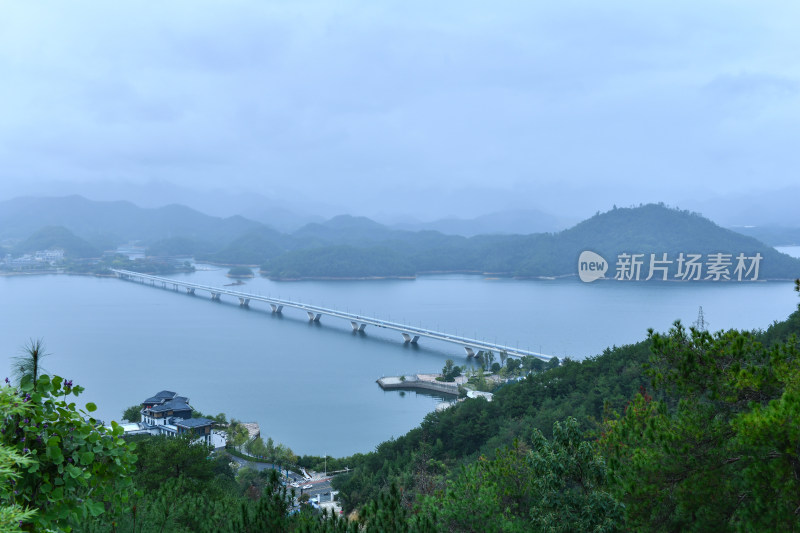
319 487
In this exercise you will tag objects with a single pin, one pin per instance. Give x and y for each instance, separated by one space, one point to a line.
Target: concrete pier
420 381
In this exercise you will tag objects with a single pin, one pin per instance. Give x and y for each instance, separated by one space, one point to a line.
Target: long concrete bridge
410 334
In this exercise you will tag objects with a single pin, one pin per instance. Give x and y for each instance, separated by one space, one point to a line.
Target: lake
312 386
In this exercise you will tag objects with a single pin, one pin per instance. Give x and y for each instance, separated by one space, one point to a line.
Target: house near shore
166 413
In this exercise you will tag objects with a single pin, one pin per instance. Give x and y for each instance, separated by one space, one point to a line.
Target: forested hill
650 229
656 229
590 391
56 237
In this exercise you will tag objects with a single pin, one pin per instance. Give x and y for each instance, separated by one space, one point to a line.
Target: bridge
410 334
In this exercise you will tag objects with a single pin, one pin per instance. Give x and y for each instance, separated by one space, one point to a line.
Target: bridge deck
410 333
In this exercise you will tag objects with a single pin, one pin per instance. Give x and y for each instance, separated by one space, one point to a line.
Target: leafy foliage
718 449
237 433
181 487
450 371
276 454
78 468
133 413
29 364
556 485
12 514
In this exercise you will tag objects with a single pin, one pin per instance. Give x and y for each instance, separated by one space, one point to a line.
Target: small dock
421 381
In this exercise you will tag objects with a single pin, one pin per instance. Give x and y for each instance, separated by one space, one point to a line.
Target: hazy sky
403 107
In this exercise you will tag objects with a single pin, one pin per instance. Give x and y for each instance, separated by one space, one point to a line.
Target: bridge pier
314 317
470 352
190 290
408 338
357 326
276 308
244 302
214 296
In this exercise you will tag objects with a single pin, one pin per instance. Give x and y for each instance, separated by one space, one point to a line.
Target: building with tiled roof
166 413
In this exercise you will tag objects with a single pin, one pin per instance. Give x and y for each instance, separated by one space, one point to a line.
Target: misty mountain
252 248
52 237
112 223
519 222
178 230
284 213
346 229
649 229
362 231
773 208
281 219
658 229
772 235
180 246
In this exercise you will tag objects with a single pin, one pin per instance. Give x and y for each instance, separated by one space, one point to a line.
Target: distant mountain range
347 246
107 224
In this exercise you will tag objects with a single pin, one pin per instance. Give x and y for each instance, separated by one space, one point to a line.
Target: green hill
650 229
57 237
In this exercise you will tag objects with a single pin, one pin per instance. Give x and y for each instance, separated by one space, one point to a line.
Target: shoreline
86 274
339 278
489 276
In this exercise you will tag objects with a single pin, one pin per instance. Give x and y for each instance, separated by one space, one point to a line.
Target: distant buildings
38 260
53 257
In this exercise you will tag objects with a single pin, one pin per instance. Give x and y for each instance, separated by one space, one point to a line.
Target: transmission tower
700 324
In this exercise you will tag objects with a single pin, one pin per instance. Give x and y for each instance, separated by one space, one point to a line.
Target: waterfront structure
426 382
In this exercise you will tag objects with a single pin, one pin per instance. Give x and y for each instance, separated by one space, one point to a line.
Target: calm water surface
312 386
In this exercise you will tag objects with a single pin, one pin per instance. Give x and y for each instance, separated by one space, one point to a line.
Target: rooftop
161 396
194 422
178 404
